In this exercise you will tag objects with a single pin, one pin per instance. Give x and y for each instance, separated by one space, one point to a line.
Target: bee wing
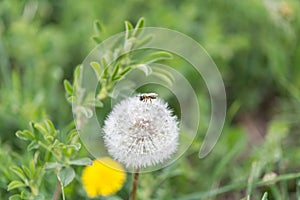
152 94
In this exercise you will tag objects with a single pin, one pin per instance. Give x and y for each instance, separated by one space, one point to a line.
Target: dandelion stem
134 184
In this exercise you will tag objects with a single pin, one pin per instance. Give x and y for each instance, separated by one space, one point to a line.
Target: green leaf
164 72
38 172
265 196
140 23
72 134
157 56
103 62
41 128
115 72
33 145
82 161
60 144
128 25
142 42
77 75
124 71
159 69
98 26
25 135
164 77
76 146
97 68
49 137
15 184
39 197
19 172
145 68
15 197
68 87
31 125
25 195
98 104
32 167
117 78
70 99
139 27
6 172
52 165
128 28
50 127
66 175
105 73
27 171
97 39
86 111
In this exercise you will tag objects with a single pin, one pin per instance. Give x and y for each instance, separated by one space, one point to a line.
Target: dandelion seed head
141 134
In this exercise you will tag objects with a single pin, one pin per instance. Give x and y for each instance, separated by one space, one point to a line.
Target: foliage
255 44
50 152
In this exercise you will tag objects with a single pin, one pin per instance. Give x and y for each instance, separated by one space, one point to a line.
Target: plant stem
56 192
134 184
63 191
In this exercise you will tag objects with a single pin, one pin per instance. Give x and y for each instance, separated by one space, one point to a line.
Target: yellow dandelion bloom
105 177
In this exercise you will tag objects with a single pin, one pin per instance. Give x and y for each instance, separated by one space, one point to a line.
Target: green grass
255 45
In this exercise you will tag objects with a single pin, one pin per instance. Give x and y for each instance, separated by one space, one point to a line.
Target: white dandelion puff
141 134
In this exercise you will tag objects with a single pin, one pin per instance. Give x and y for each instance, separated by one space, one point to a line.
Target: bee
147 96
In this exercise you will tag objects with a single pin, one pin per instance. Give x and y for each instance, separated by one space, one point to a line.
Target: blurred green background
255 45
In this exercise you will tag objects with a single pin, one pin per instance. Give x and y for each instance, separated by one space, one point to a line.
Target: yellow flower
105 177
